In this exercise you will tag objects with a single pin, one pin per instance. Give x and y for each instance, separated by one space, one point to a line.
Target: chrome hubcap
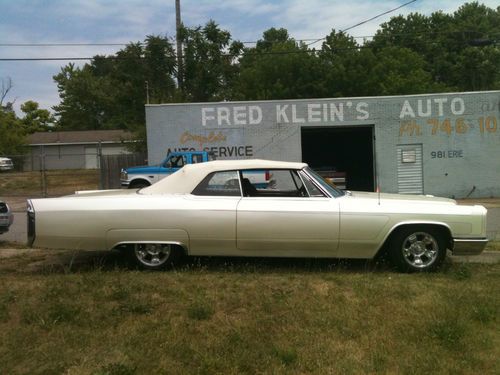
151 254
420 249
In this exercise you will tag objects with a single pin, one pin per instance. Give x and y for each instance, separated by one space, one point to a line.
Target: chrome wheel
420 249
152 255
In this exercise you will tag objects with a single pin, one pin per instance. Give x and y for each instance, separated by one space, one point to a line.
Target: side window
311 188
225 183
177 161
272 183
197 158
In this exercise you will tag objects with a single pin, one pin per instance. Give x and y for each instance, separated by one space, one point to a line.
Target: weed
200 311
116 369
6 299
461 272
63 313
135 307
287 356
484 311
449 331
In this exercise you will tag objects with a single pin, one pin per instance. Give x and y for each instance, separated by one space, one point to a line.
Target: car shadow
39 261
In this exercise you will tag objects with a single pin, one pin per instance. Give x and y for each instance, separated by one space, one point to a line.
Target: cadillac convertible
257 208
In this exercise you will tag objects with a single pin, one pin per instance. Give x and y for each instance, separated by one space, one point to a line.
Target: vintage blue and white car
214 209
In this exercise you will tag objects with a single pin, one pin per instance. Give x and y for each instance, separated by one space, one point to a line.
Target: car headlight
124 175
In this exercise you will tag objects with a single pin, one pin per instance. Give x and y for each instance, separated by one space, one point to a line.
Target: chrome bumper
469 246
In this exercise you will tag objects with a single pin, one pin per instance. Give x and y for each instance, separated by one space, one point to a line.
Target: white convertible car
257 208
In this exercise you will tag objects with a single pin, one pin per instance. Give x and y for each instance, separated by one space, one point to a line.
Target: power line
423 32
61 44
368 20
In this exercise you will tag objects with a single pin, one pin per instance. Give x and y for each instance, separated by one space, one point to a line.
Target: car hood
402 197
143 169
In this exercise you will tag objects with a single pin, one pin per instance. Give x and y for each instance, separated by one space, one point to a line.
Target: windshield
333 191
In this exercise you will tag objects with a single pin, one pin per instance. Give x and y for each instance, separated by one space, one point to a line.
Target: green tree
208 62
444 41
12 134
346 66
110 91
36 119
278 68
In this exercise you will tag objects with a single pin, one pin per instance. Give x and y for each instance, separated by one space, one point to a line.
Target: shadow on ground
41 261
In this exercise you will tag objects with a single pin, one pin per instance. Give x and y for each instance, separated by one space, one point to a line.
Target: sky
124 21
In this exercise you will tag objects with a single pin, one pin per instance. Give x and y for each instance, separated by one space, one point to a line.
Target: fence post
43 171
99 164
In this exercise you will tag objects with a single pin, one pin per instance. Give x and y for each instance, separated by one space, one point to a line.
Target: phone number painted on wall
436 126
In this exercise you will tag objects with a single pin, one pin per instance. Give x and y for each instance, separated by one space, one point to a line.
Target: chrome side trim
469 246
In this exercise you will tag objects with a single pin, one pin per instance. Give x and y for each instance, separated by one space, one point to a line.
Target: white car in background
6 217
6 164
223 208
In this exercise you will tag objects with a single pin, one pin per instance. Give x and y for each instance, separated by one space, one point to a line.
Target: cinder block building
442 144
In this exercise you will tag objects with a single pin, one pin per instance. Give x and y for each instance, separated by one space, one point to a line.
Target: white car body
6 164
6 217
170 212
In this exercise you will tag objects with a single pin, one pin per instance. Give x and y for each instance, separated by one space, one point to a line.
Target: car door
280 218
210 214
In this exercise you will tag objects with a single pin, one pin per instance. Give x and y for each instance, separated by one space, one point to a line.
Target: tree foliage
277 68
408 55
208 63
110 92
12 134
36 119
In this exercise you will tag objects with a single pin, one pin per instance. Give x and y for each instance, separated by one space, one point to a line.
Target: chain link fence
51 175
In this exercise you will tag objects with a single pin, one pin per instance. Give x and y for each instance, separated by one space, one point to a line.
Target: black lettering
248 150
222 151
231 150
240 151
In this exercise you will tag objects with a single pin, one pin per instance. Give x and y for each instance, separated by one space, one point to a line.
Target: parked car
6 217
214 209
6 164
142 176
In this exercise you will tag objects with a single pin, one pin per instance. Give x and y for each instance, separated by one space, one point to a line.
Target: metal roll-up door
410 169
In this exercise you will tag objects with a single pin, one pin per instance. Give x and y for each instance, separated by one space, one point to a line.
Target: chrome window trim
318 186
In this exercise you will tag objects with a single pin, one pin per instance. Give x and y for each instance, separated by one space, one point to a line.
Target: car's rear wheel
154 256
418 248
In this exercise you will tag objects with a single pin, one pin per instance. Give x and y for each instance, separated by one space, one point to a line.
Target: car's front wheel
418 249
139 184
154 256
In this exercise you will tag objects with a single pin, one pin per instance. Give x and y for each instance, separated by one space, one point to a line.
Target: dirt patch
38 260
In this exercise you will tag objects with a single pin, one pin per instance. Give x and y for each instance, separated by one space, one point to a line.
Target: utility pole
180 71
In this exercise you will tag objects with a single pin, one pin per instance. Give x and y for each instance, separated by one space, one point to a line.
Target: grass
57 182
234 316
493 246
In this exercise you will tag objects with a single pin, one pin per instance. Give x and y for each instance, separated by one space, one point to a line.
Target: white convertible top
187 178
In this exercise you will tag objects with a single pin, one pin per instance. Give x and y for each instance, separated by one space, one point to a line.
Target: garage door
410 169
